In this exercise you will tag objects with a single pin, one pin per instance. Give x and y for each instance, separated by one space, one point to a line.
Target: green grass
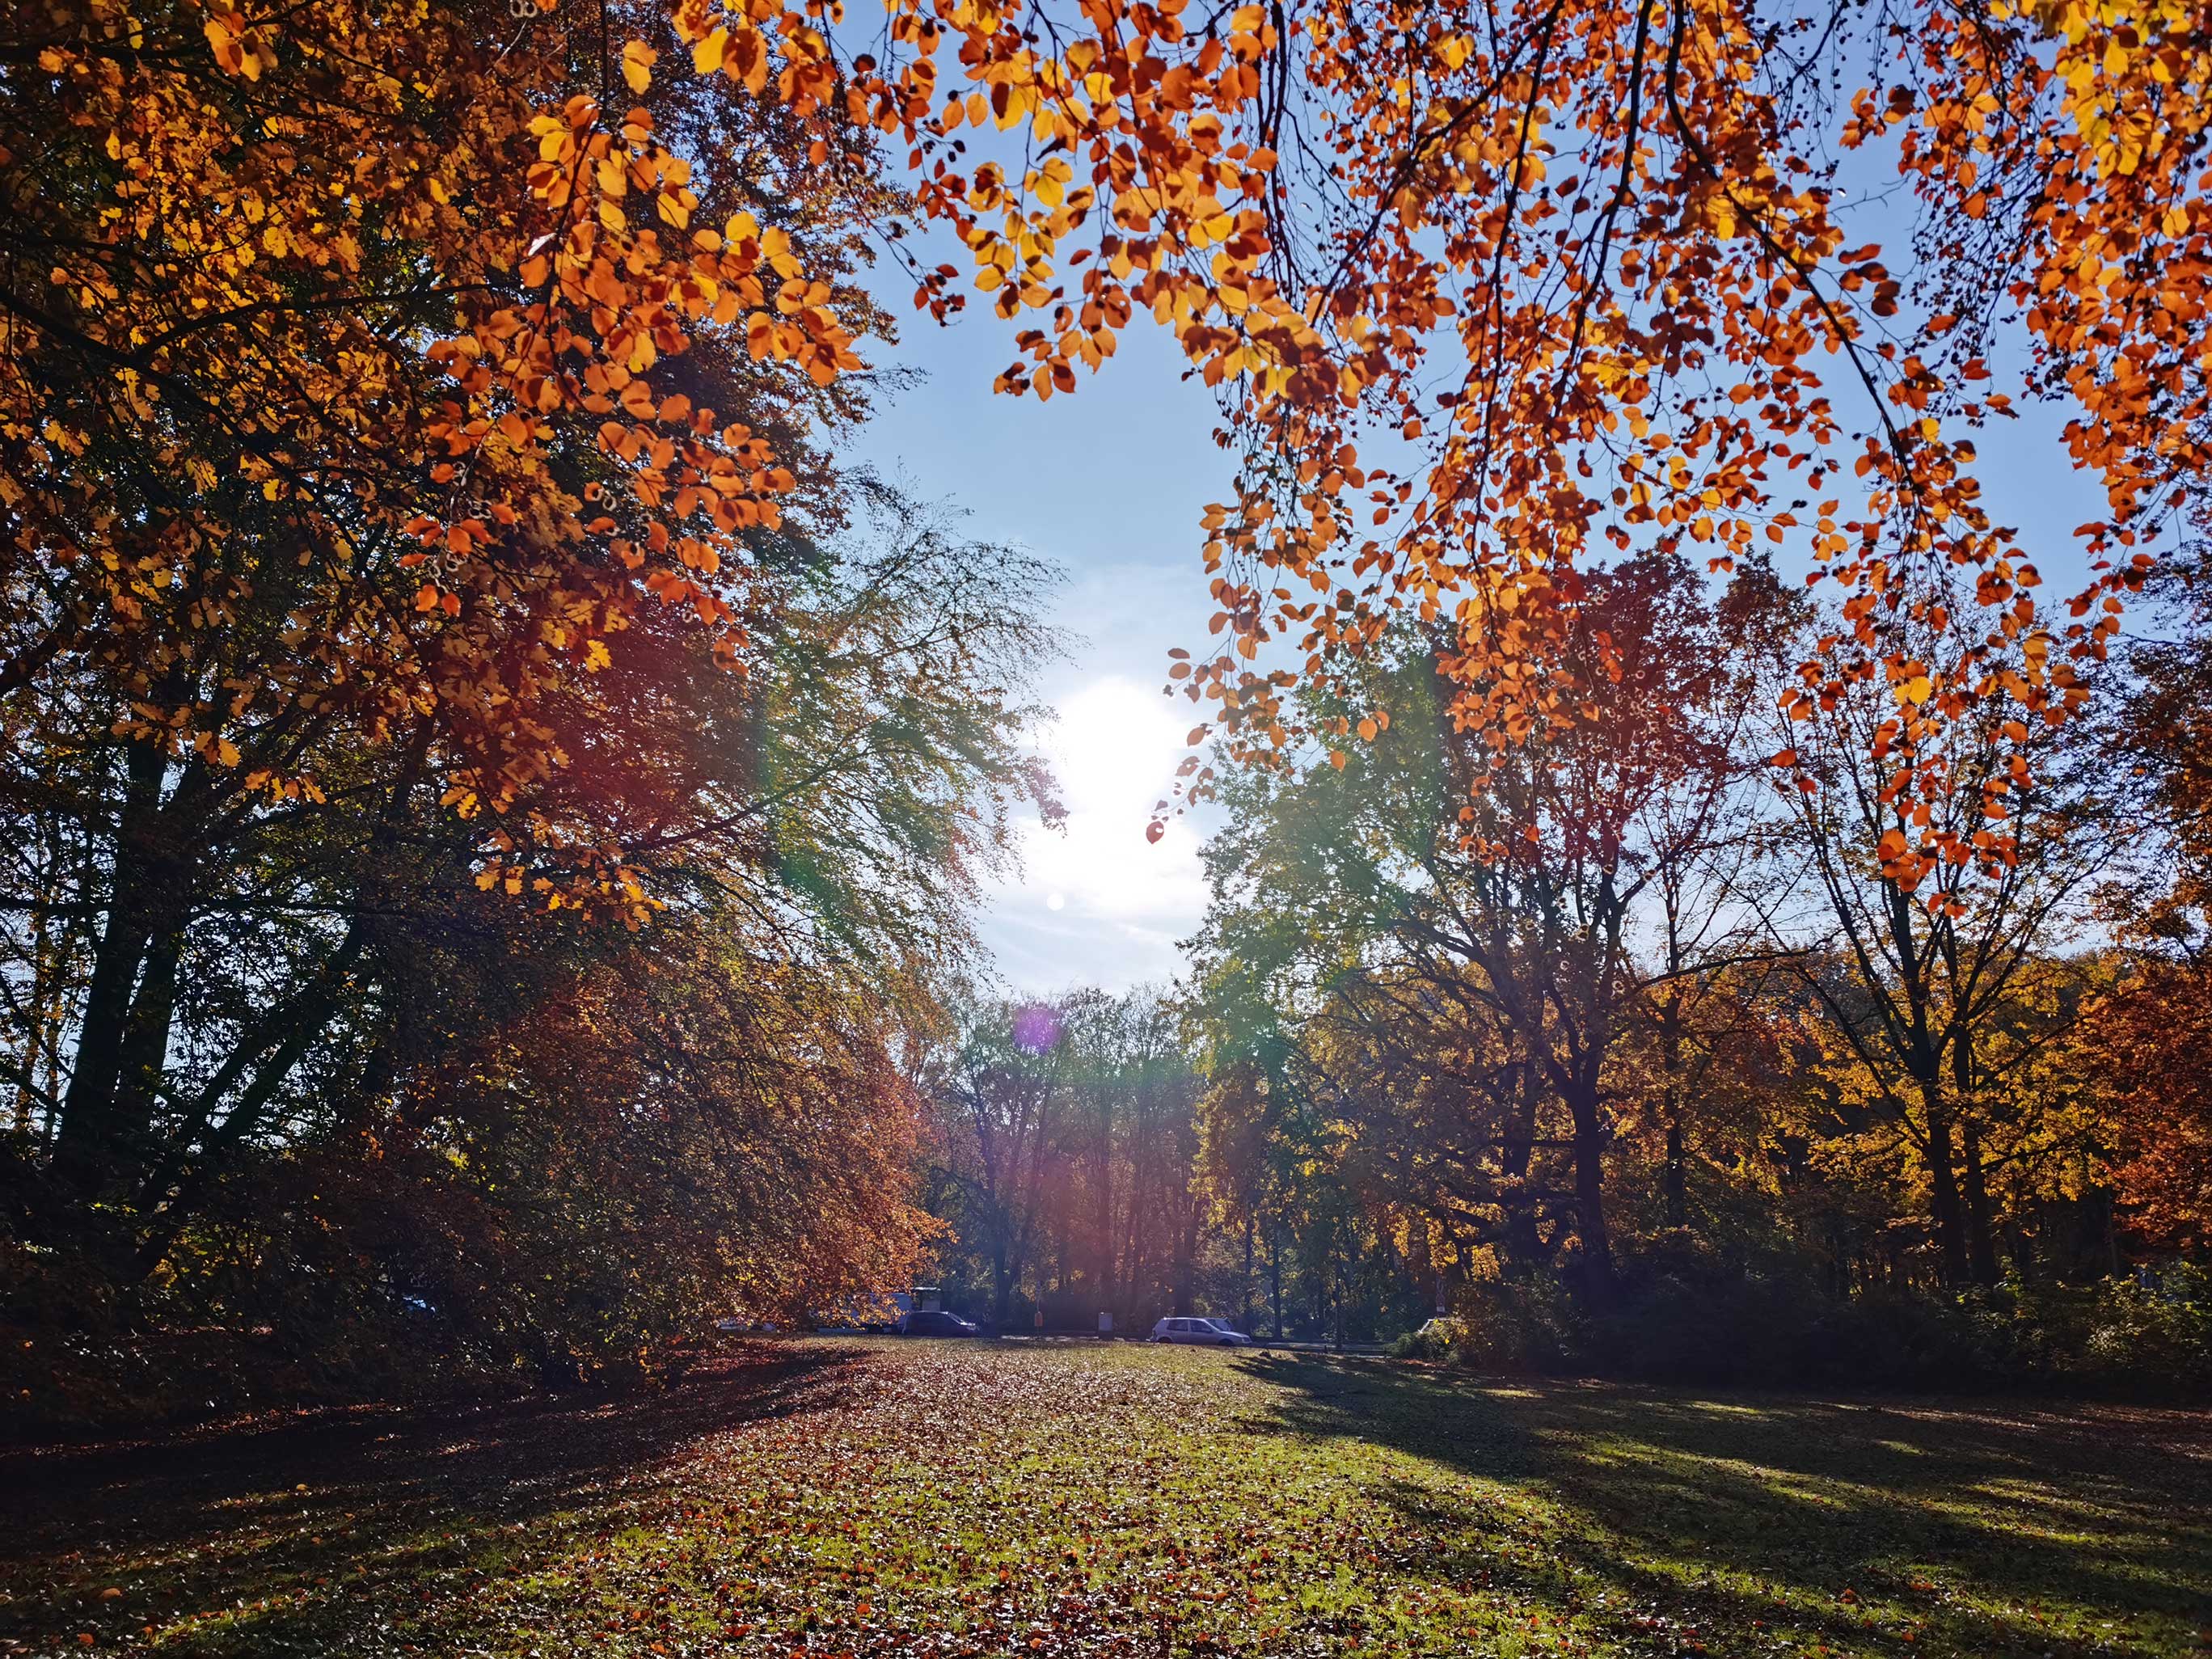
851 1498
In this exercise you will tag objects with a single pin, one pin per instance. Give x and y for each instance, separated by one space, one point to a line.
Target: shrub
2118 1336
1442 1338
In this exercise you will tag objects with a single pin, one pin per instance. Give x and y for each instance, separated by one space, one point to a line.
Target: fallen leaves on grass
856 1500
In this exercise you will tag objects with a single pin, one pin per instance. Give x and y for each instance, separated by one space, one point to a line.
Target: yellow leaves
1048 184
220 751
232 54
775 248
234 258
1153 115
744 57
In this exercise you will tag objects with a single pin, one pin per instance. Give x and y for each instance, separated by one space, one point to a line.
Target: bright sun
1113 900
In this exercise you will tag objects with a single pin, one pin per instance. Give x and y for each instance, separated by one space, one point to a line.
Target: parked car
1205 1333
935 1323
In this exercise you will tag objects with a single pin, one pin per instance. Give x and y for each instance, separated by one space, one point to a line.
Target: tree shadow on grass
286 1530
1980 1529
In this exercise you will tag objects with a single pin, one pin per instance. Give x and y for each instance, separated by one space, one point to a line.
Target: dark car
934 1322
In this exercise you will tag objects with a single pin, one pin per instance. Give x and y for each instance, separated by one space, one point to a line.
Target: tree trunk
1244 1293
1678 1208
1102 1219
1981 1250
1943 1179
1590 1192
146 1042
1677 1179
86 1153
1275 1279
1523 1248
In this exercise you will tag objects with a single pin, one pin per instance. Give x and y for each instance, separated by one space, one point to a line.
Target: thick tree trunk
1981 1249
92 1148
1523 1248
1943 1182
146 1042
1590 1192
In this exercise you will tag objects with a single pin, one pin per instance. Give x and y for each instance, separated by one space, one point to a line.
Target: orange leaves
1652 337
428 599
743 38
239 49
399 332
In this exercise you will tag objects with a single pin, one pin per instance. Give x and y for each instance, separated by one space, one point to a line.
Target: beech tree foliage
487 792
1484 289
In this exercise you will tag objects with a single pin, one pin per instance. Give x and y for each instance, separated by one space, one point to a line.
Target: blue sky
1109 483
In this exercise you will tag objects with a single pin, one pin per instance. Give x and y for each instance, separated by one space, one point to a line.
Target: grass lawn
855 1497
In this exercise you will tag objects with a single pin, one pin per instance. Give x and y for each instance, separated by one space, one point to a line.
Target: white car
1207 1333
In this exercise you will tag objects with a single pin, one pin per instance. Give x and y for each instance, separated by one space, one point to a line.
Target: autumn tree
370 1044
1065 1160
1484 289
1937 977
359 402
1570 276
1004 1085
2141 1053
1439 956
